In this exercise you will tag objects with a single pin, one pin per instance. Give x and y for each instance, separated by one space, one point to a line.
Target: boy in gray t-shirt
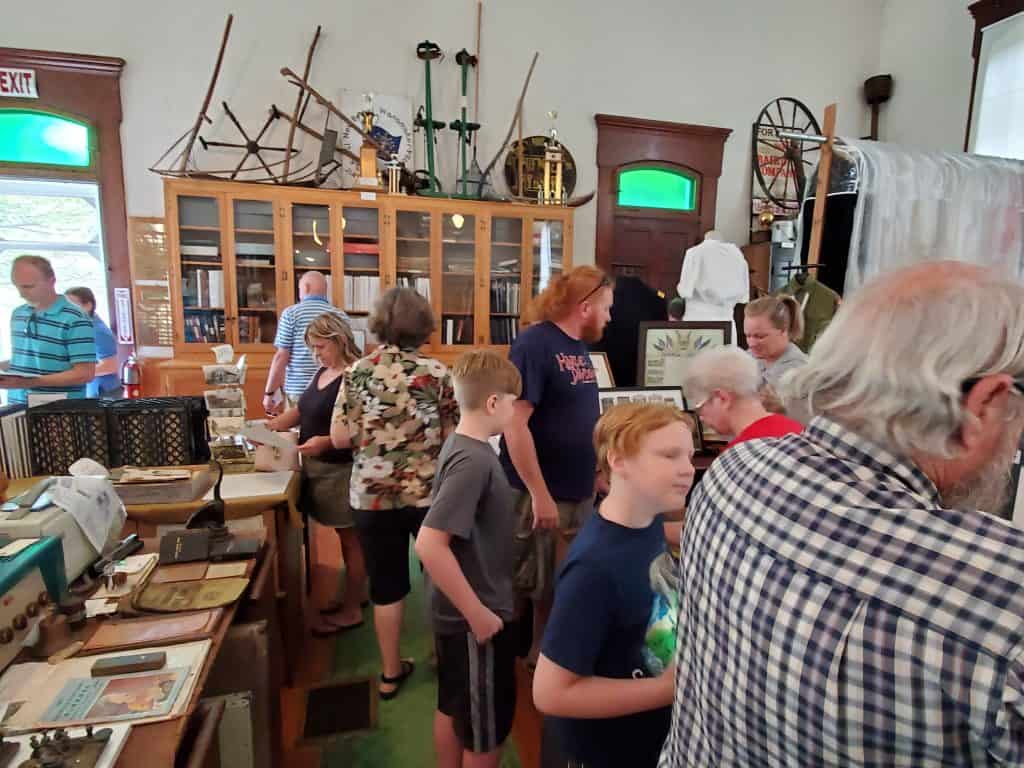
465 544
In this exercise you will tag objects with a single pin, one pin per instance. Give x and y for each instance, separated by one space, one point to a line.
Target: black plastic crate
64 431
158 431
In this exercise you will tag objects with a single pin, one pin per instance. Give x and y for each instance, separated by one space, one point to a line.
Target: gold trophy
368 176
552 193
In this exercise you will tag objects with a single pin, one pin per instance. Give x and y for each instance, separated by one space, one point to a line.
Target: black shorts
476 686
384 535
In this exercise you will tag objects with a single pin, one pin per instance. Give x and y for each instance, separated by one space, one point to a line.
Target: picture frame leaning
665 348
667 395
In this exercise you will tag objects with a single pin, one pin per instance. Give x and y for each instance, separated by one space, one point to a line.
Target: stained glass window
42 139
657 188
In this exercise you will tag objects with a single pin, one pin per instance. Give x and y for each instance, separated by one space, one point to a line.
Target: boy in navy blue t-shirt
606 707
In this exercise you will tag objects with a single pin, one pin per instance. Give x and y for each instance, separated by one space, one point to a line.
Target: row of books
504 329
419 284
200 252
204 326
505 296
203 288
15 458
457 330
361 291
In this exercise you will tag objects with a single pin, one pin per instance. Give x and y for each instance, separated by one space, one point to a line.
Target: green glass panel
38 138
657 188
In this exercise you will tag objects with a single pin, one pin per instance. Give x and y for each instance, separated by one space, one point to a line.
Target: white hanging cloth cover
916 206
714 279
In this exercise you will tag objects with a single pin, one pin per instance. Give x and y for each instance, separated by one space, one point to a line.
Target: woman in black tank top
326 470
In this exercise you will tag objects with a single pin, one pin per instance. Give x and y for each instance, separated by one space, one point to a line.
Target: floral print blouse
398 407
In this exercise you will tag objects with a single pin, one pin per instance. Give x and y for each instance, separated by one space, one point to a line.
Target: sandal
408 667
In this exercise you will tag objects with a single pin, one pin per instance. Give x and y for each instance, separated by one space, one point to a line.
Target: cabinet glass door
311 244
547 253
202 270
505 279
255 271
360 228
458 268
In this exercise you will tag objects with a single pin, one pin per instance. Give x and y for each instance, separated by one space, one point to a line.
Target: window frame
676 170
985 13
54 170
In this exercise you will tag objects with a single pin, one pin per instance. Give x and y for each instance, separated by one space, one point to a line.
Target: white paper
16 546
40 398
258 433
19 374
93 503
100 607
253 484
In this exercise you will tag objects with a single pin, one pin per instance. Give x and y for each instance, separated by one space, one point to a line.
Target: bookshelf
237 253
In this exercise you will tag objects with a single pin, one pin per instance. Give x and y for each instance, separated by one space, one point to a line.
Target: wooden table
156 744
284 527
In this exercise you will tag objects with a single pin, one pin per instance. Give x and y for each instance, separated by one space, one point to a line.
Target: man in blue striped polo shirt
293 365
52 340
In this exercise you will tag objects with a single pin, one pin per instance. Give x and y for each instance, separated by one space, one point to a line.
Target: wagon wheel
794 158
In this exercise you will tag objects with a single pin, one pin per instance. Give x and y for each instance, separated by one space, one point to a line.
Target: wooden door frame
87 88
627 141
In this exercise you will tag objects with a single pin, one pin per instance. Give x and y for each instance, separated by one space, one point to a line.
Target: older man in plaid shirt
844 601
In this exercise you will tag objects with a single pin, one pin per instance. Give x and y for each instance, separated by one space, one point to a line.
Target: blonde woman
772 324
326 470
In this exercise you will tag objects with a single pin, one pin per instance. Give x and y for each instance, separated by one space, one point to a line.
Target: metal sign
18 83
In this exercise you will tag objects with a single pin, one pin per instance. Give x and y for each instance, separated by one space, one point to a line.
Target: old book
129 634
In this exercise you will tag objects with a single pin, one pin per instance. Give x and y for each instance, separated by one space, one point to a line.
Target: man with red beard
548 451
846 599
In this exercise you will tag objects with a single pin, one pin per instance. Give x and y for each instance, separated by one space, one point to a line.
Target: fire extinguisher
131 377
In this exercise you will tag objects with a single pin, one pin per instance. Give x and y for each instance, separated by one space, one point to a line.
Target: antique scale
368 176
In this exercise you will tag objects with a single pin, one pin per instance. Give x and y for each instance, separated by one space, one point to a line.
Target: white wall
697 61
926 46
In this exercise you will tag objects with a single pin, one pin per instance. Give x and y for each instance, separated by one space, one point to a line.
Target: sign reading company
19 83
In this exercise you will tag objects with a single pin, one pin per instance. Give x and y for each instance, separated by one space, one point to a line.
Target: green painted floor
403 736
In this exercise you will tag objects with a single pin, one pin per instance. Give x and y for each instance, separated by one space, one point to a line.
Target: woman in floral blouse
396 407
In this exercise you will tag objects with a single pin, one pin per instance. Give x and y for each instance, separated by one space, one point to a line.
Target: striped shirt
833 613
291 335
50 340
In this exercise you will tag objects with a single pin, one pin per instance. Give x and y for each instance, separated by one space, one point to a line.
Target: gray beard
989 489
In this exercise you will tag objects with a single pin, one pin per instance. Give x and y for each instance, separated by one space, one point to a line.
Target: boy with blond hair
607 706
465 544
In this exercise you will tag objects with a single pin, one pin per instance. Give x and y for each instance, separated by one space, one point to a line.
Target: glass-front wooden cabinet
239 251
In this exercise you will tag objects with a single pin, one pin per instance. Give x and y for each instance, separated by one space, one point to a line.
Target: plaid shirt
833 614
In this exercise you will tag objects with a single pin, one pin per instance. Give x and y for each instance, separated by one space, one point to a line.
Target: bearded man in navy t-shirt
548 452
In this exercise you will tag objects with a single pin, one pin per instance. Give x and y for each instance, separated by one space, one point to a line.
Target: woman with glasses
772 324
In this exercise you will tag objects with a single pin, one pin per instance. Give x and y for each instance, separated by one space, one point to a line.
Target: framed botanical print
603 371
666 348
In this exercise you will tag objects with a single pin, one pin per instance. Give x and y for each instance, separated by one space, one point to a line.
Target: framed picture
599 360
623 395
697 432
665 348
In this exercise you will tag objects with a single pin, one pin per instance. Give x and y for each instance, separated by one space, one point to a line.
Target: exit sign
19 83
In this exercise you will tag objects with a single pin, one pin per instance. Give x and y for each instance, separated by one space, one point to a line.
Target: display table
270 495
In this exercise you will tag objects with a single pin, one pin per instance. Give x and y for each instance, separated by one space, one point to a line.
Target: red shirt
772 425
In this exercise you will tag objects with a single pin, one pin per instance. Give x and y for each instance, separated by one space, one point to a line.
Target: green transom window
42 139
657 188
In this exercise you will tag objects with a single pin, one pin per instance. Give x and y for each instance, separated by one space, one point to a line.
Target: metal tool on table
64 751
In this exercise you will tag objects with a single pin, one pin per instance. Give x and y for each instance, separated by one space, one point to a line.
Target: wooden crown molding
69 62
662 126
988 12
